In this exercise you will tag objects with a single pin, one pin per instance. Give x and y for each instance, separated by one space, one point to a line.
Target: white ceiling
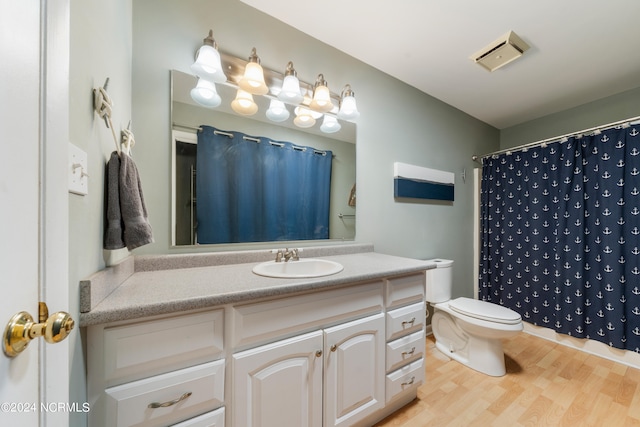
581 50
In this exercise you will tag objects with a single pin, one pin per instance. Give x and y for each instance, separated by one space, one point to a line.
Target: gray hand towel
126 211
114 230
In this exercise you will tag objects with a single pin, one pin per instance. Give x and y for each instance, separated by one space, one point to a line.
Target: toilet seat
484 310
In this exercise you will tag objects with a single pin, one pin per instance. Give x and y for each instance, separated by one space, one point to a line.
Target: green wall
601 112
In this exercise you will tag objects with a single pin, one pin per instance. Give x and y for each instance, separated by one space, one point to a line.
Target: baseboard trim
626 357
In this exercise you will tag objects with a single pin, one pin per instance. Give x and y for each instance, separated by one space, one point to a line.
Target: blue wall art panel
415 182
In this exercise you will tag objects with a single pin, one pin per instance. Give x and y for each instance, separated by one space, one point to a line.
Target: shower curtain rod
631 121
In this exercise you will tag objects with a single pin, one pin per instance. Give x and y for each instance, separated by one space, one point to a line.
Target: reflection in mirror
188 118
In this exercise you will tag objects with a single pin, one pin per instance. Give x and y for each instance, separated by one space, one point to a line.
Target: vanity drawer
405 320
263 322
210 419
405 350
128 404
142 349
406 378
405 290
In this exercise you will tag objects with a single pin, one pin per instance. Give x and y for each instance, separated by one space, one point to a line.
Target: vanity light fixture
348 108
330 124
253 79
244 103
277 111
290 91
205 93
208 65
248 77
304 118
321 101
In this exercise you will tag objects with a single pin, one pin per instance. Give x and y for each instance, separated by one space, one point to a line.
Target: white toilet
468 330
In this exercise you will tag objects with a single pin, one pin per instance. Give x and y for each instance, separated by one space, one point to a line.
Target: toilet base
482 354
489 361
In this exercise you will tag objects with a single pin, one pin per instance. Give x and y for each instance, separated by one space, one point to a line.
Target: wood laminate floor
546 384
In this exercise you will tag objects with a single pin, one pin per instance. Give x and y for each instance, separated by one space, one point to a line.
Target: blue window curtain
560 227
253 189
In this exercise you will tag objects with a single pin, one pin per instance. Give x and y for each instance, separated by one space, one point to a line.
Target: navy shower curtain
560 226
248 191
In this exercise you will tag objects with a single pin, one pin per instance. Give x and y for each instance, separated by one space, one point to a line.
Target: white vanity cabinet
354 366
284 383
157 372
279 384
332 375
347 355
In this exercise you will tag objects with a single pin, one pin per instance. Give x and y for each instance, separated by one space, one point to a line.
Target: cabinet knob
334 347
319 353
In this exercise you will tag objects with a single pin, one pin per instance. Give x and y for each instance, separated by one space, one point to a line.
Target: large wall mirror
189 118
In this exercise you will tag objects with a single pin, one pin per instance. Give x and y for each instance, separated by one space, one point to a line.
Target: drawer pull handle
409 382
409 353
155 405
319 353
334 347
409 322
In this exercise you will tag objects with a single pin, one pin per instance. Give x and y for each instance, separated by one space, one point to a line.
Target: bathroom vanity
202 345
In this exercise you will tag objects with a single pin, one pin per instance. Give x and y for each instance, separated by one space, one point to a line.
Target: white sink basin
305 267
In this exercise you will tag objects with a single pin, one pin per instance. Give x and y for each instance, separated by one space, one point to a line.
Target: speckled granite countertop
147 293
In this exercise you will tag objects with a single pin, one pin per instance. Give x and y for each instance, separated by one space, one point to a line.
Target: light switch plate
78 173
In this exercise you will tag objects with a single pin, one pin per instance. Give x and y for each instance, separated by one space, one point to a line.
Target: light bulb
205 94
253 79
330 124
290 91
244 104
348 108
321 101
208 65
277 111
303 119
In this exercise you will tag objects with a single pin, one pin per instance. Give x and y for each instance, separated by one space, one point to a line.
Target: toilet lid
485 310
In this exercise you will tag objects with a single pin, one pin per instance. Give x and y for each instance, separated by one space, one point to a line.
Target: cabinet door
354 370
279 384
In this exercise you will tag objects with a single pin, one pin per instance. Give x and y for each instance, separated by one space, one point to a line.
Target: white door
354 370
33 267
279 384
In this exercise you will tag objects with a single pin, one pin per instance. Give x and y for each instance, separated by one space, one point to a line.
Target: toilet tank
439 281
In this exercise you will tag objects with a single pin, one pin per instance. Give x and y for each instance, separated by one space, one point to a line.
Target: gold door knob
21 329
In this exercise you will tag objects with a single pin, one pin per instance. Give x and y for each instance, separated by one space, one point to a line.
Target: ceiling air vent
502 51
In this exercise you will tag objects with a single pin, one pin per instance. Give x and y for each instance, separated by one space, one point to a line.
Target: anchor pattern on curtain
560 227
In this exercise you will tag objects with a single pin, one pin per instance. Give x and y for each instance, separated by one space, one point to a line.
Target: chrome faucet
287 255
291 255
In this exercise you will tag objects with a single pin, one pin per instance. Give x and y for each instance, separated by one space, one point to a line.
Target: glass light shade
244 104
290 91
303 119
277 111
208 65
330 124
315 114
205 94
253 79
321 101
348 108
